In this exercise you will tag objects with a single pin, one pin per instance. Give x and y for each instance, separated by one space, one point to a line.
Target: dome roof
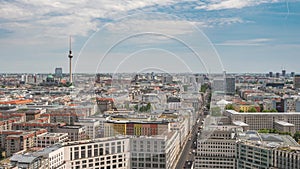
50 76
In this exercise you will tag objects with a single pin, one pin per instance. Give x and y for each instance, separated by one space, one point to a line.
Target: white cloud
52 18
163 26
231 4
247 42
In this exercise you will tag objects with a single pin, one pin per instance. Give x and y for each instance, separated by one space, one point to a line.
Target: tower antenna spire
70 44
70 58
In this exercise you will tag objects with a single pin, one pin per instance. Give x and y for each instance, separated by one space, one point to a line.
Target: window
76 155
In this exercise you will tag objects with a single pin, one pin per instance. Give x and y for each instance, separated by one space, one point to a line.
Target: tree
148 107
272 110
252 109
297 136
136 107
229 107
204 87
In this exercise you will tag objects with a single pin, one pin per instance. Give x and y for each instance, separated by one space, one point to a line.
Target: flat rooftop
262 113
283 123
240 123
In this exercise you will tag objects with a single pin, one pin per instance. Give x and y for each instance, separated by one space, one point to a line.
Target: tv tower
70 57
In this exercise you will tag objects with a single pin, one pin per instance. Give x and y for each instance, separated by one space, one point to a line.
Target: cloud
163 26
247 42
231 4
54 18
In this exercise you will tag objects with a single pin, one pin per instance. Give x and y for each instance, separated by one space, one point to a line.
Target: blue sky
166 35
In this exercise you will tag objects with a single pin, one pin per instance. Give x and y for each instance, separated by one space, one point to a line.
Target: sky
246 36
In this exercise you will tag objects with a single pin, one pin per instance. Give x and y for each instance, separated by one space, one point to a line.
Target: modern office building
254 150
230 85
106 153
159 152
216 148
283 74
58 72
270 74
54 155
250 153
218 85
264 120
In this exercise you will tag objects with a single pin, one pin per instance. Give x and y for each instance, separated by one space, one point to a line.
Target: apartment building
92 127
48 139
75 132
21 141
137 128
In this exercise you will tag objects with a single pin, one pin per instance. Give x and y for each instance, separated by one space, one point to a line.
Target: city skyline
237 36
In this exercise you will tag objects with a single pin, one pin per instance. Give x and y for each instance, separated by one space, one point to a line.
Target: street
187 156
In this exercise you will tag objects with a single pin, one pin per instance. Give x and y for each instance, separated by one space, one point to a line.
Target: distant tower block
70 57
283 73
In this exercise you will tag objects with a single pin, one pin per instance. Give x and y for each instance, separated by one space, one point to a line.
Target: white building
216 148
158 152
264 120
104 153
55 156
92 127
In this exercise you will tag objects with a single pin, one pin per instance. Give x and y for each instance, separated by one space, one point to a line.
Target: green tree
148 107
297 136
229 107
136 107
204 87
252 109
272 110
263 131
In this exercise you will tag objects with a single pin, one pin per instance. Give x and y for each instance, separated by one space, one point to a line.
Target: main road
187 152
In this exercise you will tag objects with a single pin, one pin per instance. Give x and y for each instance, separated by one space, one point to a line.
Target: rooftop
283 123
20 158
240 123
233 112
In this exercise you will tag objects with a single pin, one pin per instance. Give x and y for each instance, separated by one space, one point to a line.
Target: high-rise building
297 81
218 85
283 73
277 74
292 74
270 74
230 85
58 72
